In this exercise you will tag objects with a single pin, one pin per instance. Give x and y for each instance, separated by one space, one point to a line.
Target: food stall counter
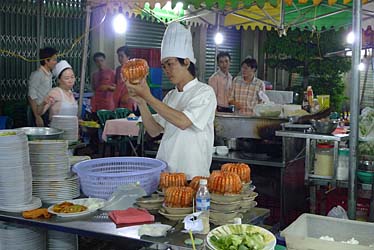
100 226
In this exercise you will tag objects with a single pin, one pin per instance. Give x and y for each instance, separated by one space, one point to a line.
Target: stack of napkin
131 216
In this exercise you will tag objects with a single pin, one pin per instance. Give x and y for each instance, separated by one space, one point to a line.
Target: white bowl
177 210
222 150
225 198
225 207
214 150
248 204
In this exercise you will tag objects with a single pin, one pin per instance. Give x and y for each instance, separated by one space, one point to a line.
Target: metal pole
355 108
84 59
216 47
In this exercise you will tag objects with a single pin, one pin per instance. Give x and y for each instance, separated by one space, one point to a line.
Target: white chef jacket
189 151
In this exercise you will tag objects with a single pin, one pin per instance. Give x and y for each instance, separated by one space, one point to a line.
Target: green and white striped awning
261 14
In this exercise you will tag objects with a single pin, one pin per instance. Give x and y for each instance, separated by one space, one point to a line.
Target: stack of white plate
49 158
62 241
67 123
15 173
53 181
55 190
21 237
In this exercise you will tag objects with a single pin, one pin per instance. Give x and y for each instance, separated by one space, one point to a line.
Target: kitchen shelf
312 136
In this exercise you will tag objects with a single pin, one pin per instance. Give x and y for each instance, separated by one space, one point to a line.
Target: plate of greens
241 237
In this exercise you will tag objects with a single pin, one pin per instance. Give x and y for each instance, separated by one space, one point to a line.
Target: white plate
92 205
35 203
270 240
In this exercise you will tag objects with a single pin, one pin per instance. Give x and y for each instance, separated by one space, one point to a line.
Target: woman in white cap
60 100
186 115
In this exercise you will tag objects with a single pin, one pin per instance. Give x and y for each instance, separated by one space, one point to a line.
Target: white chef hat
177 42
60 66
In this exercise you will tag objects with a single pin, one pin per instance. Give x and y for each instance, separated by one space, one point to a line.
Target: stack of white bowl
67 123
52 179
15 173
62 241
225 208
13 236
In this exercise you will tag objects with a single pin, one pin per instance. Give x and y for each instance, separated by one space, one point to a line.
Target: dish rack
99 178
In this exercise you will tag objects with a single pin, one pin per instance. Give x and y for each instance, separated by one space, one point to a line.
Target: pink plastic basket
99 178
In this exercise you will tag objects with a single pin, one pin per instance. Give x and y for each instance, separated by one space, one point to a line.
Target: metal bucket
42 133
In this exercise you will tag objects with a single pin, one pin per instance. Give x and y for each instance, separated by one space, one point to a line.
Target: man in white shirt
221 80
40 83
186 114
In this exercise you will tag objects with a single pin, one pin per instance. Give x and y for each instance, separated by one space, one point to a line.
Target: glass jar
324 163
342 171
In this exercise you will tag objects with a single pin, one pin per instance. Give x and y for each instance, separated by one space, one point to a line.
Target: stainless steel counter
99 225
237 156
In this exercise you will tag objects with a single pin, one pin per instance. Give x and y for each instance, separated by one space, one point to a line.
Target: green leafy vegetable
246 241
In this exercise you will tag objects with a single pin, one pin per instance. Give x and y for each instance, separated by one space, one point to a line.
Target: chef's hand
140 92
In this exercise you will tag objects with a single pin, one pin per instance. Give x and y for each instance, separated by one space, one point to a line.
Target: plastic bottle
309 91
305 104
203 204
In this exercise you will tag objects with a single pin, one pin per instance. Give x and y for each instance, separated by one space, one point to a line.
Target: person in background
60 100
40 83
186 114
103 85
221 81
121 94
247 89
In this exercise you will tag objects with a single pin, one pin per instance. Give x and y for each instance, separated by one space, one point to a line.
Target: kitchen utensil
42 133
324 126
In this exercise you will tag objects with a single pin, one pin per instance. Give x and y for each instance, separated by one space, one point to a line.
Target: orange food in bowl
242 169
172 180
135 70
195 182
221 182
178 197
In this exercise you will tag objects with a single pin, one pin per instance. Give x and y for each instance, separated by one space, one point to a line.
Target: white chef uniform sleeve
201 108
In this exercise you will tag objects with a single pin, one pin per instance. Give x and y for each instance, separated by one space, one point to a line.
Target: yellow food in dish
68 207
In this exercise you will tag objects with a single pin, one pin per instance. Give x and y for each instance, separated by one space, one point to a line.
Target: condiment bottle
309 91
323 165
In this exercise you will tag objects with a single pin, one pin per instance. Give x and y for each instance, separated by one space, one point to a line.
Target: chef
186 114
